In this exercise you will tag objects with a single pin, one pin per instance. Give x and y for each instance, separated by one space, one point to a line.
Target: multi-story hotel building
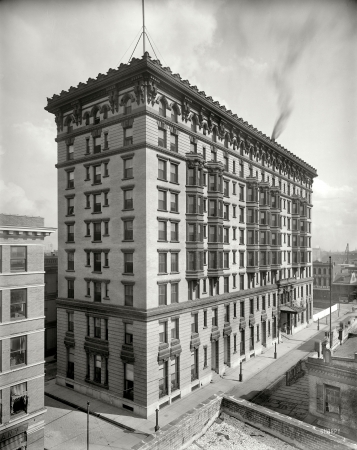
184 237
22 331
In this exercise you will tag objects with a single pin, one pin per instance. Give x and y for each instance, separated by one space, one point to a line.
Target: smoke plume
296 43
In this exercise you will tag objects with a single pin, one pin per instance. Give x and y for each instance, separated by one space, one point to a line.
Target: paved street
66 429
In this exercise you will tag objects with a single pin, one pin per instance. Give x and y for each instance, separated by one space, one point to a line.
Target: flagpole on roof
143 27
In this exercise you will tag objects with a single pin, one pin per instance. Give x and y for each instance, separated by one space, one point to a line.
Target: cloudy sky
258 58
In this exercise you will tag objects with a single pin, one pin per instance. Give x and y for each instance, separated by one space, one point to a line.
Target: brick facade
170 188
22 364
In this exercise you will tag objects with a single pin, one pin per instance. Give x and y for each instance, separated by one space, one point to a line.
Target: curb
98 415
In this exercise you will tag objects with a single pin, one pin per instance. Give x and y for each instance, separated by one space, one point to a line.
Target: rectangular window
174 329
226 284
97 328
70 260
128 136
128 168
106 144
128 199
174 202
18 308
162 294
162 170
18 347
162 200
87 146
97 174
128 263
96 145
128 295
162 230
174 173
128 230
97 262
70 287
70 179
162 262
18 399
174 231
70 321
128 333
215 317
174 262
129 382
97 233
97 203
205 357
174 292
97 291
18 259
194 323
162 138
173 143
162 332
98 368
70 206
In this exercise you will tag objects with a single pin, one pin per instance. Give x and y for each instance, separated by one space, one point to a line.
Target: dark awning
195 340
227 330
175 347
215 335
164 352
292 309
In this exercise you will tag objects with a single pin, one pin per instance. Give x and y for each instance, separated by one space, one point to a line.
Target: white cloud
15 201
322 190
254 66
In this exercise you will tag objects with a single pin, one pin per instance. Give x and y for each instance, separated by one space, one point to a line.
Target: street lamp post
278 309
157 428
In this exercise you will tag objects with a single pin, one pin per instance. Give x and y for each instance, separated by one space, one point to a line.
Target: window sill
128 274
163 210
105 267
105 235
87 179
129 209
105 176
96 242
162 273
96 184
70 242
69 188
174 182
87 207
95 383
162 179
128 178
94 271
88 296
162 240
128 240
106 298
97 212
175 242
105 206
69 270
174 212
18 366
69 215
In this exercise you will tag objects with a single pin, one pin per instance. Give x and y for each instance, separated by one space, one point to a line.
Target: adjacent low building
333 384
22 331
184 237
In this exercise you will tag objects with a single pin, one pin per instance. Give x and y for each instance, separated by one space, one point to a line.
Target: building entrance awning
292 309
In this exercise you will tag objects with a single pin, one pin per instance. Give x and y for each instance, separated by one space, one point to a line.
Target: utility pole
87 425
143 27
330 304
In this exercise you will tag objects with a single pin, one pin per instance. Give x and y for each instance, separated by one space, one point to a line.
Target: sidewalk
258 374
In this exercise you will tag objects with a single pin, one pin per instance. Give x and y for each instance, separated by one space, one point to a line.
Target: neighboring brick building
22 331
333 385
180 227
51 292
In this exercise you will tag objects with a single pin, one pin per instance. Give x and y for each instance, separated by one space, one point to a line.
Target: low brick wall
181 432
288 429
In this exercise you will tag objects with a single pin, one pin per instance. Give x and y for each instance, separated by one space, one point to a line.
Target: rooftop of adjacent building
16 220
348 349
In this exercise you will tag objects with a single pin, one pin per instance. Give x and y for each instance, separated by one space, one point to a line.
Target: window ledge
105 176
97 212
162 240
162 273
164 210
94 271
69 189
96 242
68 270
70 242
105 267
128 178
128 209
174 212
105 206
128 274
106 298
175 242
88 296
128 240
70 215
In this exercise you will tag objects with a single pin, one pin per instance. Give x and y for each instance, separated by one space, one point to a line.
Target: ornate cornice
152 74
